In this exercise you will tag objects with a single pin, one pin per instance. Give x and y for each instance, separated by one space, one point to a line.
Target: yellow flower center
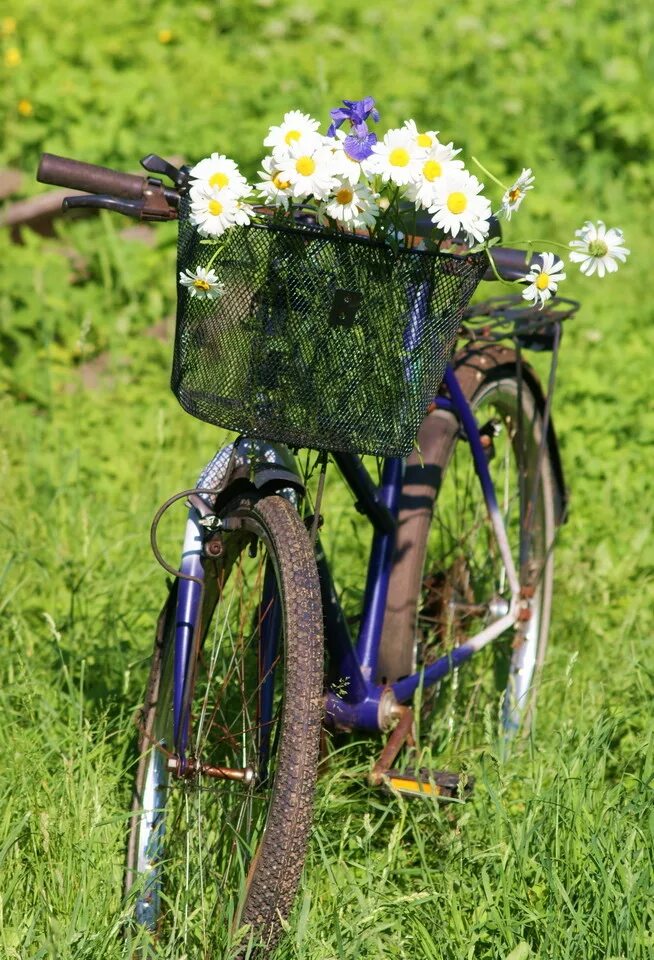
12 57
200 284
542 281
165 36
219 180
344 195
25 108
398 157
598 248
305 166
431 170
424 140
215 208
291 136
457 202
515 194
279 183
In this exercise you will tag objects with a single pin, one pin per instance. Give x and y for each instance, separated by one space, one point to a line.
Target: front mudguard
251 464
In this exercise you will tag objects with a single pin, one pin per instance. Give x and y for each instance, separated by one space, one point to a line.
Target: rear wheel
450 581
209 855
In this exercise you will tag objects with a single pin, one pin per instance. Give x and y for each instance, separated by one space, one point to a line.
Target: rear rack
511 318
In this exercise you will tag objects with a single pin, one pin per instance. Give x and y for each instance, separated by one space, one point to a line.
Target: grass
552 857
555 849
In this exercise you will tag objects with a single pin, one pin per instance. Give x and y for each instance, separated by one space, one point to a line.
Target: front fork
259 463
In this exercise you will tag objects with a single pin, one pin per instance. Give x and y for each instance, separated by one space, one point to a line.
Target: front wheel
210 856
449 581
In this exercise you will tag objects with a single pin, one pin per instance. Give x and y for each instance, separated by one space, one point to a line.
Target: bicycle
461 561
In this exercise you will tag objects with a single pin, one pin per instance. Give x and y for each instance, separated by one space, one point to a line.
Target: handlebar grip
64 172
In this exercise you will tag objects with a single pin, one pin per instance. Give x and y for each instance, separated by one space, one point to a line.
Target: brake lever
155 164
129 208
153 206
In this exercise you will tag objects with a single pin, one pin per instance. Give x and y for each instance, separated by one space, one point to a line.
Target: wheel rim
197 835
465 585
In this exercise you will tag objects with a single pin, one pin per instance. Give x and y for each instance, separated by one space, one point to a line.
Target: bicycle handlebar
144 198
64 172
147 198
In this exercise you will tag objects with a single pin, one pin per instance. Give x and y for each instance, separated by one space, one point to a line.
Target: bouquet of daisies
351 180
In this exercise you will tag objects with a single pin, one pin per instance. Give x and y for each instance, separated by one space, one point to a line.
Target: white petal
588 268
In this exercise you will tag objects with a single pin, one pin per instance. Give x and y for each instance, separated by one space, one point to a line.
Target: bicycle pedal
436 784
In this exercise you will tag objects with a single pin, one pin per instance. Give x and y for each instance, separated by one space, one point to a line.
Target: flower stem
219 247
507 283
551 243
489 174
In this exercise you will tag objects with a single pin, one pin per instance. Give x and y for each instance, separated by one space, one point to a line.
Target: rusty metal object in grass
403 733
190 768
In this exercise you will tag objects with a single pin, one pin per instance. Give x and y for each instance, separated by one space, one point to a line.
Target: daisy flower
367 214
293 127
426 140
514 196
213 211
243 213
272 186
598 249
352 204
397 158
438 162
201 283
543 279
218 172
308 166
457 205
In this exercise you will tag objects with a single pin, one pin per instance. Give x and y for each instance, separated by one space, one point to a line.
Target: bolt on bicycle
254 650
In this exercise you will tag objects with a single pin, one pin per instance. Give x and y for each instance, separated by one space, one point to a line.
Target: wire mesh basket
319 339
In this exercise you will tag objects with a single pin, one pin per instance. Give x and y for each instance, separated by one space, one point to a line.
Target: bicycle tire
438 481
263 867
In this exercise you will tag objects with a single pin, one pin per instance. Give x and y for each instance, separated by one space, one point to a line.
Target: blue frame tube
467 418
379 571
440 668
464 412
342 657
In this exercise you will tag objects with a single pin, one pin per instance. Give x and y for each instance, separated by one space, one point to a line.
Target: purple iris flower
360 141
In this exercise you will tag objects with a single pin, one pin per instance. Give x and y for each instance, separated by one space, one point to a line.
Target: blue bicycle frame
361 703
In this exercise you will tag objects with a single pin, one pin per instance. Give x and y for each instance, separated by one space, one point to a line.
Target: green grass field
553 855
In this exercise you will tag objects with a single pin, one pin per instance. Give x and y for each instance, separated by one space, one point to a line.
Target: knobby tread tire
283 848
279 860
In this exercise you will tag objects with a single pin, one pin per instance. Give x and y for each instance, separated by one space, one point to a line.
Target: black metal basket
319 339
